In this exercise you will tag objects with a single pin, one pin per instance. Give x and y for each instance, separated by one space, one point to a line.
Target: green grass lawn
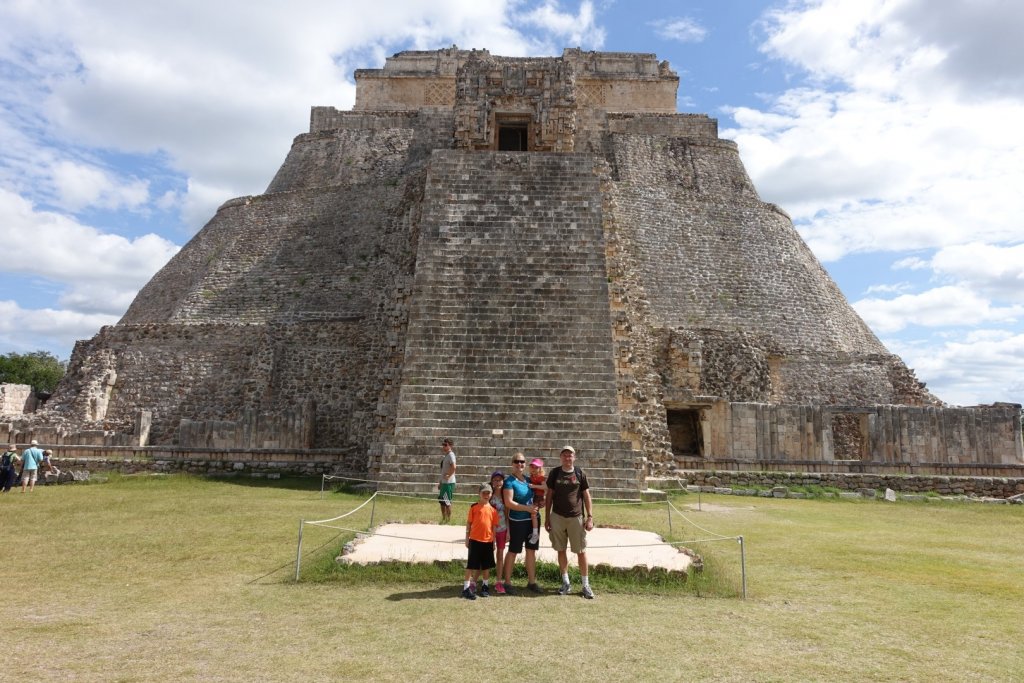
177 578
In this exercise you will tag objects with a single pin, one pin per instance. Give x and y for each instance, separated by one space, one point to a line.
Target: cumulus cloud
681 29
938 307
578 29
55 247
880 152
81 185
994 269
27 330
148 78
983 367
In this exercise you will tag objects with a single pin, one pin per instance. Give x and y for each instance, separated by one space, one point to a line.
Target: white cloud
682 29
150 77
880 151
938 307
52 246
994 269
983 367
580 30
889 289
31 329
80 186
910 263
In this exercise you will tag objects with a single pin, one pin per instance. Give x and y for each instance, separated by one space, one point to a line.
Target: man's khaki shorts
568 529
29 476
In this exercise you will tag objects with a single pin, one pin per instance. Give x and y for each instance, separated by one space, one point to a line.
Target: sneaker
588 593
508 589
535 536
533 588
484 593
565 589
499 588
468 594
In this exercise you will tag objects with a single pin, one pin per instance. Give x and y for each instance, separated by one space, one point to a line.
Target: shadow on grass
291 483
442 593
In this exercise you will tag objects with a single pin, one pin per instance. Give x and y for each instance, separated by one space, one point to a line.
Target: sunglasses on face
518 462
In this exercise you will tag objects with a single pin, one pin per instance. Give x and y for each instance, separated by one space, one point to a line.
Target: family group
31 459
509 515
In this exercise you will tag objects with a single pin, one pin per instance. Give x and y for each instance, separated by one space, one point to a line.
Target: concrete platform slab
620 548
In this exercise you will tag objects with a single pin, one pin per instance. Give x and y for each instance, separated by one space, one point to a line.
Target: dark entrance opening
512 137
684 432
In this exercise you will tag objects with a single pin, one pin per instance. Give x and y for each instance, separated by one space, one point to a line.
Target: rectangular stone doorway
513 134
685 432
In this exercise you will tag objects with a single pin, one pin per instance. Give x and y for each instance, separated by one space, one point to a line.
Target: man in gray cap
570 515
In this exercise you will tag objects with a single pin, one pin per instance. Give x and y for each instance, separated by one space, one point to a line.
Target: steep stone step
509 321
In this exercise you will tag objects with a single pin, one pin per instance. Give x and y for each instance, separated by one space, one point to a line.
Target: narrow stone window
684 432
513 137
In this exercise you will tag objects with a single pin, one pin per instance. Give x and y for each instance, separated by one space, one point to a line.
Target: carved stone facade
516 253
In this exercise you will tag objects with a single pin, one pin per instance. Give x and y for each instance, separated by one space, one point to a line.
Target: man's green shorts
446 494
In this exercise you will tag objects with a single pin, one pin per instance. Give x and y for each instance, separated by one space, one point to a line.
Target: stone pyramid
517 253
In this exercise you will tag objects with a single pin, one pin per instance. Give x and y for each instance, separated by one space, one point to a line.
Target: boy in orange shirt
481 522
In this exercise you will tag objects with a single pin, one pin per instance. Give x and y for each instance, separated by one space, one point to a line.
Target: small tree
40 369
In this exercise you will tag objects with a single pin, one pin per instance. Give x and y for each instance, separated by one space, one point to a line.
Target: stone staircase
509 343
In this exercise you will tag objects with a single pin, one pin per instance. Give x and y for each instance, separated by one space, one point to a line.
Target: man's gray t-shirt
447 463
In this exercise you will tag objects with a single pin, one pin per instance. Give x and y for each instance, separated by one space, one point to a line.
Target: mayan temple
517 253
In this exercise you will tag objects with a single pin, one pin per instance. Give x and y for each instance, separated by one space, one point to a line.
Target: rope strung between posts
332 519
707 531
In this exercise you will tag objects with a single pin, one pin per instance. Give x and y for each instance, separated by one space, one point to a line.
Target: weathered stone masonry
518 253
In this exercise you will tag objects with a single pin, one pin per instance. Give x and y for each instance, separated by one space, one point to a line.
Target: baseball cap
34 443
537 462
568 448
485 487
497 473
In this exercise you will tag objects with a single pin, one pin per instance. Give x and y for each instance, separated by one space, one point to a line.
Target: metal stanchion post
743 567
373 509
298 552
668 509
323 478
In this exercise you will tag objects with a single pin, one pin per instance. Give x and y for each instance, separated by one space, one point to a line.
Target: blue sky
888 129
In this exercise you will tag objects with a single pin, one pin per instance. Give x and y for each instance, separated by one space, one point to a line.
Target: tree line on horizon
40 369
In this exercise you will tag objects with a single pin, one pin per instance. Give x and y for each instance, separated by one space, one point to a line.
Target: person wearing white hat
31 457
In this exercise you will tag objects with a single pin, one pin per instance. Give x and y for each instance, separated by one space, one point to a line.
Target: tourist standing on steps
8 465
446 486
570 515
519 505
31 457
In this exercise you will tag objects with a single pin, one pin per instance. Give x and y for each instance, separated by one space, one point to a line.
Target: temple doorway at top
513 134
685 432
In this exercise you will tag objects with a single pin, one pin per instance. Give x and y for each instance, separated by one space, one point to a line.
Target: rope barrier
365 503
713 536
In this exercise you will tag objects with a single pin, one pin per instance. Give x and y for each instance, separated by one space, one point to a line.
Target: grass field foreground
178 578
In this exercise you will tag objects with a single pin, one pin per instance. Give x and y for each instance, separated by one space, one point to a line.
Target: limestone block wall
288 428
510 324
715 260
16 399
343 157
286 297
540 90
887 434
430 128
411 80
